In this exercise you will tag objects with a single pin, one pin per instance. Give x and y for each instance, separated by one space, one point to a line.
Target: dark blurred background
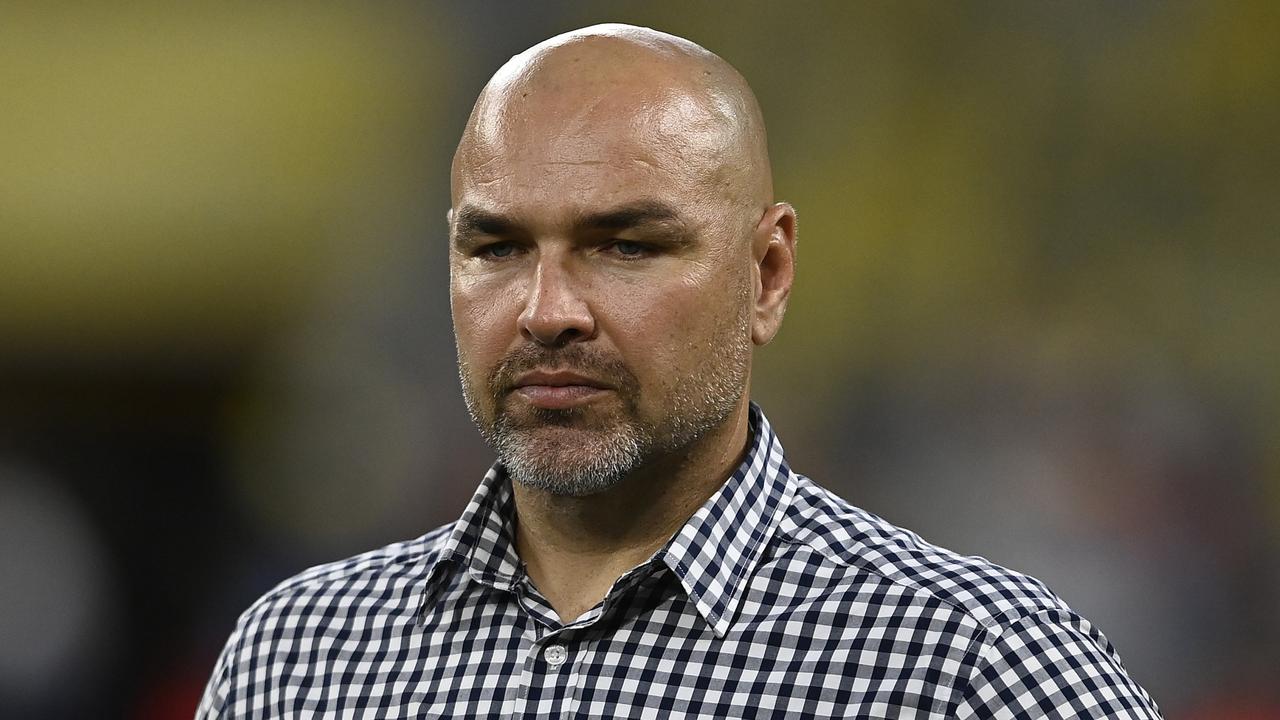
1036 314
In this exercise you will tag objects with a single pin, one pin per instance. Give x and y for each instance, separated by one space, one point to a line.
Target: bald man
641 547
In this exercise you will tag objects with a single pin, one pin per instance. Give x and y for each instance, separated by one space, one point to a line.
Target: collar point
719 625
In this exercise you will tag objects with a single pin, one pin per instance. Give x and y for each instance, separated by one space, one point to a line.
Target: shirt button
555 655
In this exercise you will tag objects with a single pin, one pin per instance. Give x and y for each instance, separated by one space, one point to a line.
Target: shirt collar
482 541
712 554
715 552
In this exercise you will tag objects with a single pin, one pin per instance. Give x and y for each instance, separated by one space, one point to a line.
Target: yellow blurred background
1035 317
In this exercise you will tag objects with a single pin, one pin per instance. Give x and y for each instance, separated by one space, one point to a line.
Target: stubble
586 450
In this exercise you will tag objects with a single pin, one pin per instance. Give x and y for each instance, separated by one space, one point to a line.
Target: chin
569 460
565 485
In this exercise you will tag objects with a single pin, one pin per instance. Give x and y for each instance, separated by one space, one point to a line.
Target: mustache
579 359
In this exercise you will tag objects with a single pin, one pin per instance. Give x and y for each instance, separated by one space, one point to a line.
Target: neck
574 548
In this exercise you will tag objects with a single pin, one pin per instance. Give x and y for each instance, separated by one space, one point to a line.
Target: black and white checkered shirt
776 599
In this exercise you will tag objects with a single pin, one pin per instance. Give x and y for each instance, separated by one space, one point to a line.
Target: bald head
626 94
612 218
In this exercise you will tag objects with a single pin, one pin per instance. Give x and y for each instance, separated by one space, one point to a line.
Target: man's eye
628 248
498 250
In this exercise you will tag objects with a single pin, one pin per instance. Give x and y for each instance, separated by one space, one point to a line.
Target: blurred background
1035 318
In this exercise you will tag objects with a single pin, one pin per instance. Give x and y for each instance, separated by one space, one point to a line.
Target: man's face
601 290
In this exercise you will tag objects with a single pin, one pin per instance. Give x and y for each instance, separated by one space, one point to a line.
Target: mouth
558 390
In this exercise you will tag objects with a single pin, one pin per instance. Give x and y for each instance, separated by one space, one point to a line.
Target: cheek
658 328
484 319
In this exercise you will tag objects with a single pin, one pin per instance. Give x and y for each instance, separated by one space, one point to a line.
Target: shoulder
1028 650
316 608
381 582
851 537
399 564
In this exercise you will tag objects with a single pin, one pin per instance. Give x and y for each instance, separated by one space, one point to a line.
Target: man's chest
657 659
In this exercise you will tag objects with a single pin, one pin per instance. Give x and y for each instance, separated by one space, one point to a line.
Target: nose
555 313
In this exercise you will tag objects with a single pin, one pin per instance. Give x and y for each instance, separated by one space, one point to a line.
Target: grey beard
602 457
603 460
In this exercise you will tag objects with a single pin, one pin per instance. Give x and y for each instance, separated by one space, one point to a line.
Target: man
641 548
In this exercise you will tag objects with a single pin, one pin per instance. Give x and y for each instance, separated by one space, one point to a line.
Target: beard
587 449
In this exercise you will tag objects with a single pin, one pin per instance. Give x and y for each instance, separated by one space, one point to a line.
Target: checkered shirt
776 599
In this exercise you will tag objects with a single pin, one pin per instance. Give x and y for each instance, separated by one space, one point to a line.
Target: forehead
575 153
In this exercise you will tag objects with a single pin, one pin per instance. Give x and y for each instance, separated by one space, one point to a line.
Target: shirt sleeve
1052 664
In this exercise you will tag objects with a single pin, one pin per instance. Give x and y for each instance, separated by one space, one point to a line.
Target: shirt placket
548 670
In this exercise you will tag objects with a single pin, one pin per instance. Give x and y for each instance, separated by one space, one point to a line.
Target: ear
773 254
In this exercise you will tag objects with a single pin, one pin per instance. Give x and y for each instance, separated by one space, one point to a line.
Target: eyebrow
646 212
470 221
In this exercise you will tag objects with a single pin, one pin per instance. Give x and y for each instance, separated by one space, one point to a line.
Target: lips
558 378
558 390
